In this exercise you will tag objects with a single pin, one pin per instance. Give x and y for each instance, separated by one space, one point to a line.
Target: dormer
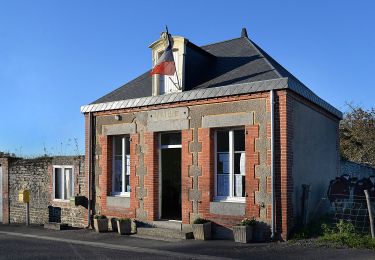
169 84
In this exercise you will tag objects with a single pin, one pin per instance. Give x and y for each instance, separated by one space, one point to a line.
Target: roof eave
228 90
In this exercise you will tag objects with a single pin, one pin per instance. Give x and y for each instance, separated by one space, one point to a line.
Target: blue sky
58 55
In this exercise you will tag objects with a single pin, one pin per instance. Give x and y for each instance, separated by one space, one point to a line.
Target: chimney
244 33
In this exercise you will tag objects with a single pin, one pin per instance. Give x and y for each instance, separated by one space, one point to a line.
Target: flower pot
243 234
124 227
202 231
101 225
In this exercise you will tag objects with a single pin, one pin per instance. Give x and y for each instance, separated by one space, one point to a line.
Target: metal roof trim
229 90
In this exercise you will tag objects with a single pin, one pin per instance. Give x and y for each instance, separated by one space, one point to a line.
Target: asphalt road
12 247
18 242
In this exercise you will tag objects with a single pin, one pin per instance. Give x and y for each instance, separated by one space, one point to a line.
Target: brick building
237 137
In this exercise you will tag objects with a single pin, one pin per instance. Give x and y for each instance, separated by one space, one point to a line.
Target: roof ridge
265 58
221 42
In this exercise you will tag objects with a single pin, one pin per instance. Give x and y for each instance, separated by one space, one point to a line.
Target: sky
56 56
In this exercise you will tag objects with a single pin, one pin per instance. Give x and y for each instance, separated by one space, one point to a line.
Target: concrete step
56 226
164 233
170 224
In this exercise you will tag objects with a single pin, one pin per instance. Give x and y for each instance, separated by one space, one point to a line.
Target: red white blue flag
165 64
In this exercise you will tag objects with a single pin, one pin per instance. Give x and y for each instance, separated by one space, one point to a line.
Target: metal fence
355 210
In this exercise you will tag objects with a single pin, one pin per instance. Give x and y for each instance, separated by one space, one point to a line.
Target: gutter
89 169
273 205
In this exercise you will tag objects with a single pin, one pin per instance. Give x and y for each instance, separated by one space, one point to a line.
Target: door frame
160 148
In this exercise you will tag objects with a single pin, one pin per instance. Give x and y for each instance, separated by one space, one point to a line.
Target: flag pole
175 68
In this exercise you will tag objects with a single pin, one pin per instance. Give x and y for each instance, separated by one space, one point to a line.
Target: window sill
61 200
230 199
120 194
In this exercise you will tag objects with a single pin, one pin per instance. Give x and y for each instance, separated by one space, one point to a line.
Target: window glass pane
223 185
223 163
127 145
239 174
117 141
171 139
239 140
68 183
239 163
127 176
222 141
239 185
117 179
58 186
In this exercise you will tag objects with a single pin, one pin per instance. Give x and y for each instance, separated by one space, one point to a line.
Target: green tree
357 135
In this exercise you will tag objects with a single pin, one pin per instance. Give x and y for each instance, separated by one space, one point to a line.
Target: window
230 164
165 81
63 182
121 166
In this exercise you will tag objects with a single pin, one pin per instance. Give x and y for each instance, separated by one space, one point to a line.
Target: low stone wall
36 175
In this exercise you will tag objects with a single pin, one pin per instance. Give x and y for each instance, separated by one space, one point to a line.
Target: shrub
100 217
248 222
200 221
344 234
124 220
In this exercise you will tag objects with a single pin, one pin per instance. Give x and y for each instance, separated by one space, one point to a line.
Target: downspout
89 164
272 108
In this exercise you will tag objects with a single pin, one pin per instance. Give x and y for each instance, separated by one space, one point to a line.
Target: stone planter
243 234
202 231
124 227
101 225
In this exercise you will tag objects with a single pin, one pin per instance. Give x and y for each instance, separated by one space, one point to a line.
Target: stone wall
355 169
36 175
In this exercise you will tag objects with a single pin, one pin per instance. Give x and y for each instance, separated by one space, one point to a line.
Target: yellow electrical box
24 196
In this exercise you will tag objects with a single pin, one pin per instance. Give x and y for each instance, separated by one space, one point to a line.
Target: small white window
121 166
230 165
63 182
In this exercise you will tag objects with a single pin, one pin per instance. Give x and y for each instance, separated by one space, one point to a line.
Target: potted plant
201 229
243 232
124 226
114 224
100 223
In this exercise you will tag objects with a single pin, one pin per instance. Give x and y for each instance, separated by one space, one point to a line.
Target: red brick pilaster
252 159
151 161
105 178
283 163
206 182
86 171
186 180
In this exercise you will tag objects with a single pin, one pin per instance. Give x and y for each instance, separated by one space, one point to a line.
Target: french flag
165 64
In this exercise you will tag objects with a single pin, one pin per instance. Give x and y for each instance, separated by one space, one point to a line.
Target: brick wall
198 160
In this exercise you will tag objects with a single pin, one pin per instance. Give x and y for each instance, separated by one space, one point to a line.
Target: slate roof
227 63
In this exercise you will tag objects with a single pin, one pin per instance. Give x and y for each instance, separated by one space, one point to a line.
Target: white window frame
231 197
123 193
62 167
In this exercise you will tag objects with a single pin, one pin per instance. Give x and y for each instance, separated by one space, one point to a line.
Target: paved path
19 242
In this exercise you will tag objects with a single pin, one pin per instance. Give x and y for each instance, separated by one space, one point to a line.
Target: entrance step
170 224
164 233
56 226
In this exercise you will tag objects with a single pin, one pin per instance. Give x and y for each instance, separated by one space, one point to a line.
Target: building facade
231 135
